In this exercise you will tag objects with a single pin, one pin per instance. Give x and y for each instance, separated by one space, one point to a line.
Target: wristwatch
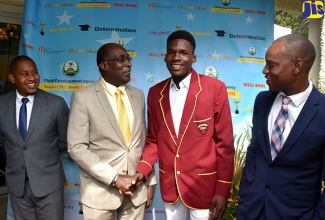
114 180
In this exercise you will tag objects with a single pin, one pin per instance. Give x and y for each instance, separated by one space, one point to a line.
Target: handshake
126 184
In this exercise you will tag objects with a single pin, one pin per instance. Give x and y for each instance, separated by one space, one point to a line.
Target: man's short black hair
181 34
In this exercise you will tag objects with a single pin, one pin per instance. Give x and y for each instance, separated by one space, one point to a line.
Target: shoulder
5 98
316 97
159 86
49 96
88 88
208 80
210 84
265 96
133 90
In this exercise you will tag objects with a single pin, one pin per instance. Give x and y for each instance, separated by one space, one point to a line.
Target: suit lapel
306 115
12 115
135 108
189 108
190 104
103 100
39 101
166 110
265 125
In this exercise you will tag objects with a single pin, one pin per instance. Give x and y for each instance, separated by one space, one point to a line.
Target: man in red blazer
190 132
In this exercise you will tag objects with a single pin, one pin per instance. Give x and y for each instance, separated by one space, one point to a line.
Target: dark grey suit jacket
46 138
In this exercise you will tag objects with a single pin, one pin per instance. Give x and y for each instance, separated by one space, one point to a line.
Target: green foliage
292 20
241 143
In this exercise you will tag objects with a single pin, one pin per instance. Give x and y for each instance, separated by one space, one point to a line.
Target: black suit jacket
46 138
289 187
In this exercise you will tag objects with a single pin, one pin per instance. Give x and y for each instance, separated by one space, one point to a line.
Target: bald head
298 46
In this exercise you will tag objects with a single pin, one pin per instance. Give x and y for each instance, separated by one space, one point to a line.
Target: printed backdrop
63 36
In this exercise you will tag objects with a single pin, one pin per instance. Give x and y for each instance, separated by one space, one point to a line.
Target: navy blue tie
22 126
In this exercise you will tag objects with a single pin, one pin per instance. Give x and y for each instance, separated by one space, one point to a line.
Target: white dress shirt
29 106
294 108
177 99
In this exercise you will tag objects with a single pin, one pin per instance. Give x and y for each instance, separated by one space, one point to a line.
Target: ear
102 66
11 78
194 58
298 63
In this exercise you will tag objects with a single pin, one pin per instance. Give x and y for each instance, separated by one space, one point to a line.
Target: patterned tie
278 127
123 117
22 125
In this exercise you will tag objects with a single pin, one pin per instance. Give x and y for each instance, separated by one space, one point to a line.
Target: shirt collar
184 83
19 97
112 89
298 99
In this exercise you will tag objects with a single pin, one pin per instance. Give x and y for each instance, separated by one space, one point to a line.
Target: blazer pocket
208 174
52 161
249 175
9 164
304 195
202 126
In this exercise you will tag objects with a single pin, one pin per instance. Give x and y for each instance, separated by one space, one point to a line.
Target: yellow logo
312 9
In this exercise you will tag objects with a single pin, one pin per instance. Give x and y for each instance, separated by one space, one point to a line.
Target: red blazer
199 163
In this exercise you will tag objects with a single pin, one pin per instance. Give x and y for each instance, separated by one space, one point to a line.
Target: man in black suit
284 169
34 173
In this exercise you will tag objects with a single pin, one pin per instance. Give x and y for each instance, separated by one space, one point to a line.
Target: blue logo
312 9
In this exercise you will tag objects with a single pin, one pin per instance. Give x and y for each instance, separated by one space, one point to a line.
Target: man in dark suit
284 168
34 173
190 130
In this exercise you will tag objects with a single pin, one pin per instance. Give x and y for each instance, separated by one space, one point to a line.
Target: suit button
25 148
177 155
23 167
267 187
271 166
178 172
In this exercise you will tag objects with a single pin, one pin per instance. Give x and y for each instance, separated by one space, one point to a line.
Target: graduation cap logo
152 5
84 27
220 33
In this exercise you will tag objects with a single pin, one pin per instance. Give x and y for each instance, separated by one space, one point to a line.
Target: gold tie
123 119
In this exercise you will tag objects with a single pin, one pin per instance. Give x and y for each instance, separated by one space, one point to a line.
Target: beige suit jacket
96 144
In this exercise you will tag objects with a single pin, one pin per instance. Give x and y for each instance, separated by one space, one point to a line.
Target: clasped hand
127 184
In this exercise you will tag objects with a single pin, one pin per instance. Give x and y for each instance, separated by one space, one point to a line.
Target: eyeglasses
120 59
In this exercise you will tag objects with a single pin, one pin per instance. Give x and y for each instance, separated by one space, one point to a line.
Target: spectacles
120 59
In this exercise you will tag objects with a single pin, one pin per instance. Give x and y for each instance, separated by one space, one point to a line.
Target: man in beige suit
106 157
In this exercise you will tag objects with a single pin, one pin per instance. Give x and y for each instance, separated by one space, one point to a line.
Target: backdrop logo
313 9
70 68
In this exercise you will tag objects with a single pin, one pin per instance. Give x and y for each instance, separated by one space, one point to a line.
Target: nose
265 70
176 56
128 63
31 76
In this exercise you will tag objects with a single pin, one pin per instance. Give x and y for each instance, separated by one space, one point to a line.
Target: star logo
115 38
190 16
61 66
65 18
249 20
148 76
215 56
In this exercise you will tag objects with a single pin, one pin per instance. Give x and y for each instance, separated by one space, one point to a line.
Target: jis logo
312 9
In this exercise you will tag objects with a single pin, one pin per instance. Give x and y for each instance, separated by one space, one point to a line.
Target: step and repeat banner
232 36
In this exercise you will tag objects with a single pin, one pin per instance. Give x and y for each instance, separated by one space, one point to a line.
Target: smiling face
179 59
280 69
24 75
116 68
